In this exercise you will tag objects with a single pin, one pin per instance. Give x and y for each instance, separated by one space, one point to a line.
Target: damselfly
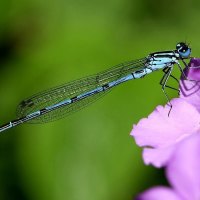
60 101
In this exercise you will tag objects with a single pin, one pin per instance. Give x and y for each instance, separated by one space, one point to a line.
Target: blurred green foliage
89 155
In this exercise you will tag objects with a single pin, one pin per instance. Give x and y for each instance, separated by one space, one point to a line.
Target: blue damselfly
65 99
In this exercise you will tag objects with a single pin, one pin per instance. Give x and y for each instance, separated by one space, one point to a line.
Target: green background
90 154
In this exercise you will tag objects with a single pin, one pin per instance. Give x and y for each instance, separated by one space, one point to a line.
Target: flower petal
193 70
159 193
160 133
161 130
183 170
158 156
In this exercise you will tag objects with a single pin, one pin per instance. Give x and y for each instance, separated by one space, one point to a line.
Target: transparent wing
73 89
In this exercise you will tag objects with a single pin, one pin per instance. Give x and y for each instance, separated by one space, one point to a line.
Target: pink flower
159 134
182 172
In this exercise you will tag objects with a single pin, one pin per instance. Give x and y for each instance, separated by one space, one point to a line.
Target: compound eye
183 50
180 45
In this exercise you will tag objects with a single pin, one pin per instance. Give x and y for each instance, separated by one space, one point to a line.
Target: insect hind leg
163 83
